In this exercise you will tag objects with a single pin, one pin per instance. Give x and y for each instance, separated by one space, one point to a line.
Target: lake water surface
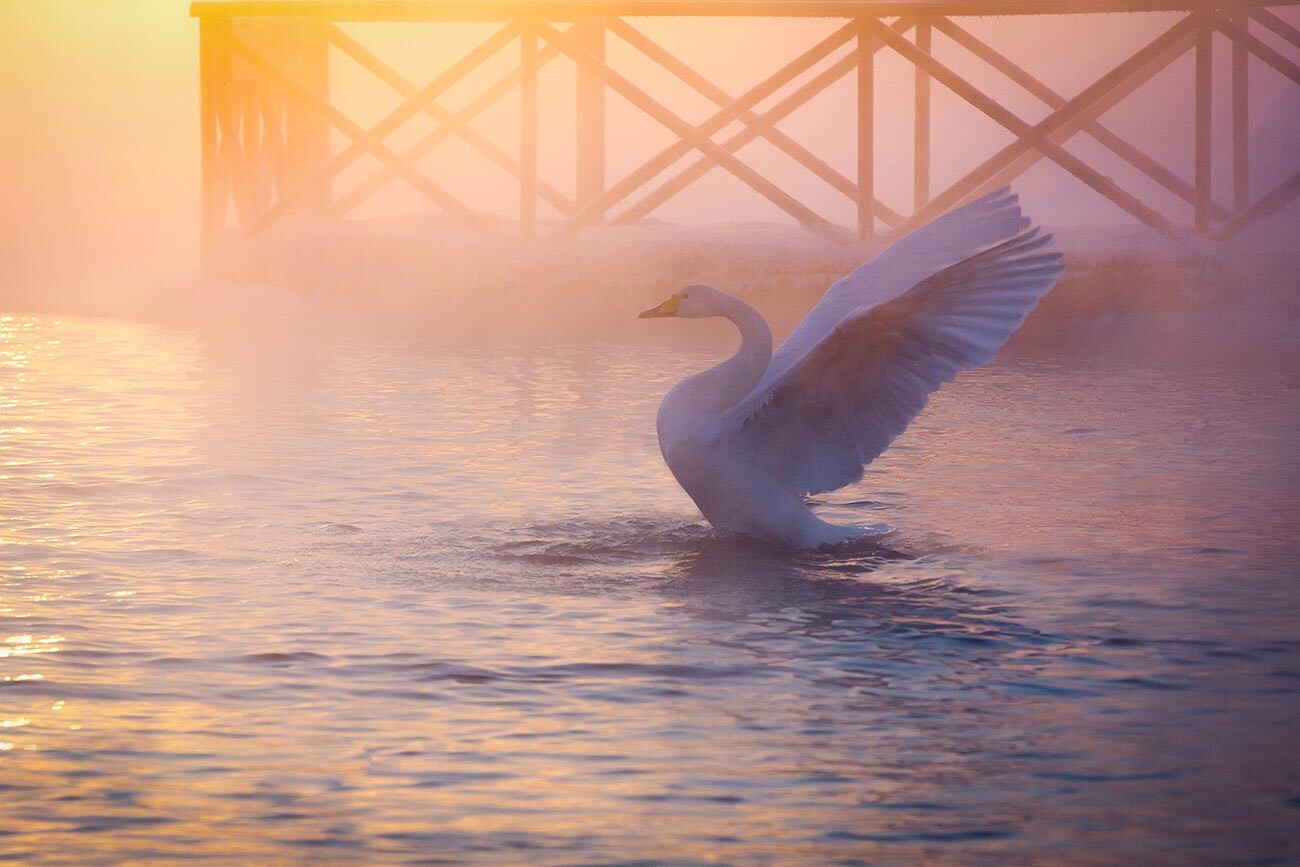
365 602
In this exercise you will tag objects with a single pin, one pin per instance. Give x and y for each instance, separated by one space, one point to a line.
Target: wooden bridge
269 123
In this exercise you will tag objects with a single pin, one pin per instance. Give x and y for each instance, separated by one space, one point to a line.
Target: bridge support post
921 127
214 66
307 131
1240 121
1204 131
268 121
259 137
528 131
866 130
590 150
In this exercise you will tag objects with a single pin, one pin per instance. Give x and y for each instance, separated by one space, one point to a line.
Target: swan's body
750 438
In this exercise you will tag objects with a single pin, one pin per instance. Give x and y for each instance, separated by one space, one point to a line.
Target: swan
754 436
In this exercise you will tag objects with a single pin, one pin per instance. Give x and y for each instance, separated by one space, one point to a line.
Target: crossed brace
1034 141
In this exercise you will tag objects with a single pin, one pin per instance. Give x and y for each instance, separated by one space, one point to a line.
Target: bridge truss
268 120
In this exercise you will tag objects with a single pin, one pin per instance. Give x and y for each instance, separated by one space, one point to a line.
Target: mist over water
353 543
344 600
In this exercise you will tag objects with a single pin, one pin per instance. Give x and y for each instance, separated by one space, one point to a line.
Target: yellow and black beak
668 308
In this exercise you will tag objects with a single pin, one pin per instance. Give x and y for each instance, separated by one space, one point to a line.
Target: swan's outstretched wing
909 260
844 401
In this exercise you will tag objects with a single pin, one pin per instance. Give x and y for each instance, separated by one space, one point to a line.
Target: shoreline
418 278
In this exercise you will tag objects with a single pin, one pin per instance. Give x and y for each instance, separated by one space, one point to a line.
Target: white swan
750 438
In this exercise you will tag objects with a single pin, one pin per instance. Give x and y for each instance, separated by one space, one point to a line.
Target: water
354 603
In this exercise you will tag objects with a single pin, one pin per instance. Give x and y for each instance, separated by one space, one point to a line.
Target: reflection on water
355 602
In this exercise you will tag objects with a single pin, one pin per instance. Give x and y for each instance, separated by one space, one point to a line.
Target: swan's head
693 302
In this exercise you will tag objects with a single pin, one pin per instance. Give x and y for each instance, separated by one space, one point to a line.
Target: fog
100 134
357 542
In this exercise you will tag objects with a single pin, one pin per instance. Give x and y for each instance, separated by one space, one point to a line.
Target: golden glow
102 123
101 148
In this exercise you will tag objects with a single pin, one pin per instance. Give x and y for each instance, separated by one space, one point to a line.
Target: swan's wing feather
841 404
909 260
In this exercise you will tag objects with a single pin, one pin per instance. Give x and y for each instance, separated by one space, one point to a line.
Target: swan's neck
734 378
692 408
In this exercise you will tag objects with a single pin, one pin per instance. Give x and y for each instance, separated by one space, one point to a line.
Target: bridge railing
268 120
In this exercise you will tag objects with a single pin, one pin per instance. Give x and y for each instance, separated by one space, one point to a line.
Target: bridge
270 123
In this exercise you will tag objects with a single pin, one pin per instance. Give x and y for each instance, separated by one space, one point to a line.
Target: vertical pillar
590 150
1240 120
212 81
307 130
921 130
249 179
1204 94
240 127
866 131
528 131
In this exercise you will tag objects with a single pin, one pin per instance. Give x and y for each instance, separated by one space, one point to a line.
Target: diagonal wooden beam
390 76
720 97
694 137
701 138
489 97
1126 151
1284 194
755 125
1036 137
786 106
1030 138
1115 96
1256 46
1276 24
371 140
348 127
